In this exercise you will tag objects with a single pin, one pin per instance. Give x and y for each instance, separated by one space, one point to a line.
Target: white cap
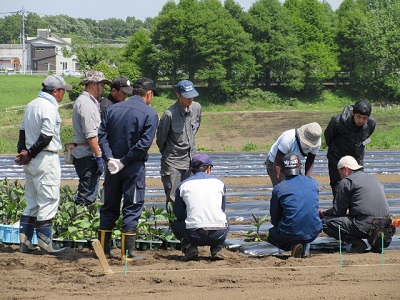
350 162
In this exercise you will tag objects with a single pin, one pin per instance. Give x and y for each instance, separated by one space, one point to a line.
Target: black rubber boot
105 238
128 243
190 252
26 228
44 230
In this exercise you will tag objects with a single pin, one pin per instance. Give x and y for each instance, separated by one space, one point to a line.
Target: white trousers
42 186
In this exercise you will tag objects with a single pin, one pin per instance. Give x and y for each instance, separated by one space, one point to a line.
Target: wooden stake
100 255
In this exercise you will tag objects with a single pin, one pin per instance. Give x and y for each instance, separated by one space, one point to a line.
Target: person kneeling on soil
199 209
362 195
294 210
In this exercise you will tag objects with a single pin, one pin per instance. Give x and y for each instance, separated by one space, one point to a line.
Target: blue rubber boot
26 228
44 231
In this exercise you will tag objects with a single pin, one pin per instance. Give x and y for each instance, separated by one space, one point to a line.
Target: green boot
105 238
128 243
44 230
26 228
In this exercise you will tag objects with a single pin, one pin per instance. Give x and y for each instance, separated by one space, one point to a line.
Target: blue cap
186 89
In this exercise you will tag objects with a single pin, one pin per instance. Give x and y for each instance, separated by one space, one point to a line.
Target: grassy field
250 124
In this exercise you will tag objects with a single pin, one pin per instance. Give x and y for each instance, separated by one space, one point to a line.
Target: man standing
86 120
304 141
38 146
199 209
176 138
359 199
120 89
126 133
347 134
294 210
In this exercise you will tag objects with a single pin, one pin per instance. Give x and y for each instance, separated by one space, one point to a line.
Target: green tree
201 40
90 54
139 53
167 36
314 28
377 47
349 17
275 46
223 49
12 29
64 25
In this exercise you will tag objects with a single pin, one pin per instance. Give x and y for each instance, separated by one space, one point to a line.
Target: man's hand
100 165
321 214
114 166
22 158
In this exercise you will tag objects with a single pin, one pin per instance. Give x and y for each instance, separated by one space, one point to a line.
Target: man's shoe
306 250
216 251
359 247
297 250
191 253
376 249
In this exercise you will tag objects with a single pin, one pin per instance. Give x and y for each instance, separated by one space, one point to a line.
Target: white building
44 53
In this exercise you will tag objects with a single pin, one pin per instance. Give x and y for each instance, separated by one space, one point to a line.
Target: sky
102 9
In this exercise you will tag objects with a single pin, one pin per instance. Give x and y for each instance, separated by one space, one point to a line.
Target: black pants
349 231
334 177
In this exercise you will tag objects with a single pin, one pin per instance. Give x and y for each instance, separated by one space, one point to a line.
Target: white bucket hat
310 134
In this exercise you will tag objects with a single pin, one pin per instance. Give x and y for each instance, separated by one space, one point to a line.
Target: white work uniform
42 173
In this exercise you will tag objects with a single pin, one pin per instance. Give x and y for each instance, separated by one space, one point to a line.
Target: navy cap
186 89
201 159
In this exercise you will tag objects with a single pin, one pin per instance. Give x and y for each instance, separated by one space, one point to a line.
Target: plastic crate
10 235
172 244
148 244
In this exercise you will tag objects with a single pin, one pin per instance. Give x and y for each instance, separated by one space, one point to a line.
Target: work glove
396 223
321 214
115 165
100 165
23 158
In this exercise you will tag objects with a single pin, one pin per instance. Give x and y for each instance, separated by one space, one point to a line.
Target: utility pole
23 42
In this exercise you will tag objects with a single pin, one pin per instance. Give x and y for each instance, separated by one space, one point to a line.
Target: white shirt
41 116
286 143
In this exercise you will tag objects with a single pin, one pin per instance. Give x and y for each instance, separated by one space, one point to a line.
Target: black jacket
343 137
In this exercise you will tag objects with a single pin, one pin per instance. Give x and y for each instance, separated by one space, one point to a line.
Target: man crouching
199 209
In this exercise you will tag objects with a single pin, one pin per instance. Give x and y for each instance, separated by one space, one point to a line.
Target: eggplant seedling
256 236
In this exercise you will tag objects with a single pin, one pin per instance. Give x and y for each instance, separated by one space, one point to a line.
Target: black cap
146 84
290 164
122 83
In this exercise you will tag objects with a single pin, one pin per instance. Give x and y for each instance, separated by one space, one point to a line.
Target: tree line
294 46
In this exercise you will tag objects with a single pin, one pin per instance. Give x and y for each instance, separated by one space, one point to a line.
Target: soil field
78 274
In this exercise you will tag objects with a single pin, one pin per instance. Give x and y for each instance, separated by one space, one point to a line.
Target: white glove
114 166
